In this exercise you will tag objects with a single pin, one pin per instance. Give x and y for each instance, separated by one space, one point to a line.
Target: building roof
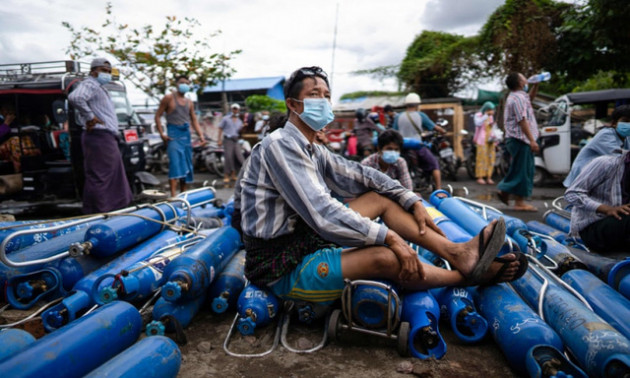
236 85
367 102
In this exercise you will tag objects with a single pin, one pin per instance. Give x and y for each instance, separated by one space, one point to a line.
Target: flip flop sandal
503 197
522 268
487 252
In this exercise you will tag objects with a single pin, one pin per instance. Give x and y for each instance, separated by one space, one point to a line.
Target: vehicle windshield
558 114
124 111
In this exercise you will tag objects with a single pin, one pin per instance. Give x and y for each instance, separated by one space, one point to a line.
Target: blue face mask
183 88
317 113
104 78
390 157
623 129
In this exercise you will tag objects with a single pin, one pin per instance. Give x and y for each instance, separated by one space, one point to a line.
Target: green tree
257 103
152 58
520 36
438 64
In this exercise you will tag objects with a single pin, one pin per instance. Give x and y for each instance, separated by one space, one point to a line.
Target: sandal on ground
503 197
522 268
488 251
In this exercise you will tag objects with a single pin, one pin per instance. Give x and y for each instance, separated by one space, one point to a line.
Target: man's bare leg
462 256
173 184
437 177
380 262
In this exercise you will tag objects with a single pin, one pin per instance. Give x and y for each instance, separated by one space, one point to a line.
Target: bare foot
525 207
481 181
490 182
466 256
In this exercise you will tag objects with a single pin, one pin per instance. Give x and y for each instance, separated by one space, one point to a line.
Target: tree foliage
151 58
437 63
257 103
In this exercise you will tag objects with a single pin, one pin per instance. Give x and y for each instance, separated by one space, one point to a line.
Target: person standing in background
521 132
180 114
106 187
229 130
486 153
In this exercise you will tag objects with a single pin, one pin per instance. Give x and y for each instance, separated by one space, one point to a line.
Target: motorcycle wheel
539 176
470 168
214 163
162 161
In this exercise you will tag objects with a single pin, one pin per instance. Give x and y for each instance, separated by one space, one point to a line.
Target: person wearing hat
106 187
180 115
229 130
486 154
411 123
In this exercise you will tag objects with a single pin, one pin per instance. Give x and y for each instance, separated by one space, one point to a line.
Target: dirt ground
354 355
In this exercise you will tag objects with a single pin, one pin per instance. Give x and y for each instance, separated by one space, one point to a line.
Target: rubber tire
333 325
540 176
403 339
163 163
470 168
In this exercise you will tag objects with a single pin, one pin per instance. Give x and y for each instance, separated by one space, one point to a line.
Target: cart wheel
333 325
403 339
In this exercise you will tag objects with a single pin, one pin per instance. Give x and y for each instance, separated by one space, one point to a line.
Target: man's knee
383 261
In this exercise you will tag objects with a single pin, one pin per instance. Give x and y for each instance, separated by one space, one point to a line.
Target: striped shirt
289 179
92 99
598 183
518 107
397 171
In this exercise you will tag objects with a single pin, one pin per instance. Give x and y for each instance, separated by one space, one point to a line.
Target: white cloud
276 36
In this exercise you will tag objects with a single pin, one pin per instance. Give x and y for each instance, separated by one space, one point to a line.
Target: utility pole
332 65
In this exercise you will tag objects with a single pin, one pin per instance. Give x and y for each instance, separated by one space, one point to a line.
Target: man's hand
534 146
424 220
89 125
410 265
614 211
165 138
8 120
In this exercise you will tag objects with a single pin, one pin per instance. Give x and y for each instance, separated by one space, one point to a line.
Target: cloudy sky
276 36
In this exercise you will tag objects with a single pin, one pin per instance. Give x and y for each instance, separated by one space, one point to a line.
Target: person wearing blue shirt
608 141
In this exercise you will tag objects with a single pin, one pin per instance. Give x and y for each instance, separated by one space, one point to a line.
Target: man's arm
428 123
524 125
79 99
220 134
158 115
593 175
195 122
533 91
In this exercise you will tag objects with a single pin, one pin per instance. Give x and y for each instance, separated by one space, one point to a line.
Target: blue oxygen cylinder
463 215
193 272
606 302
140 280
458 308
511 223
55 280
412 144
151 357
85 292
370 305
614 272
27 240
422 312
166 313
256 308
557 221
224 291
42 250
13 341
524 338
123 231
452 230
543 228
599 348
80 347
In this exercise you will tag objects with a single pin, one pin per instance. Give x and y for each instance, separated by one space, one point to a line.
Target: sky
275 36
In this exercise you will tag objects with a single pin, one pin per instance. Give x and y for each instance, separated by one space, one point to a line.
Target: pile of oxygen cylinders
109 287
105 288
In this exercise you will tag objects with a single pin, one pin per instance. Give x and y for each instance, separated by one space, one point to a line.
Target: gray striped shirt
92 99
289 178
598 183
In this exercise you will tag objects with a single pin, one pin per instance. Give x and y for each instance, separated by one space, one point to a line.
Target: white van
567 121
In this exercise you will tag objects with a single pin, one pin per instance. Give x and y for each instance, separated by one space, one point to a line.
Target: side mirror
59 111
441 122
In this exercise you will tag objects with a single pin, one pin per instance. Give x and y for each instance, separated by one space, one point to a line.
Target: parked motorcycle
422 180
208 156
442 149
